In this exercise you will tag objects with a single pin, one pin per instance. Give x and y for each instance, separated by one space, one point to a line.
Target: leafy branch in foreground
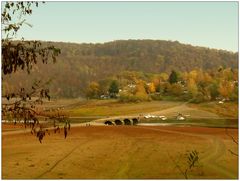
24 54
12 16
20 106
192 161
21 54
234 141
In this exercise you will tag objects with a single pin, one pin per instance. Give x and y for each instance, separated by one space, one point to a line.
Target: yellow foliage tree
226 88
192 87
93 90
164 76
176 89
151 88
207 78
193 75
141 91
156 80
227 74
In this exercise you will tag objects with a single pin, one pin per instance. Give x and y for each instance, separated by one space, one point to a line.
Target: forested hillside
80 64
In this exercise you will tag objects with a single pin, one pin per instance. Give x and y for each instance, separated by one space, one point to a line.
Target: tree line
79 64
194 86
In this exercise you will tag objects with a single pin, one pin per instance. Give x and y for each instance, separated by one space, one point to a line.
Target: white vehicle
147 116
150 116
162 117
180 118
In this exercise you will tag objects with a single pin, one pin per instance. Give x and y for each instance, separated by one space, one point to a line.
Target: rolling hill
79 64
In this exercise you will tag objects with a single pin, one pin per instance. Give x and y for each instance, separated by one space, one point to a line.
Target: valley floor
119 152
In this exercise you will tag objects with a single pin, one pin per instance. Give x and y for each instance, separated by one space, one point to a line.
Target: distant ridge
80 63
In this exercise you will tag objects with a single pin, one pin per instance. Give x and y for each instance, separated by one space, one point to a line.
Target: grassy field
124 152
205 114
115 108
228 109
104 108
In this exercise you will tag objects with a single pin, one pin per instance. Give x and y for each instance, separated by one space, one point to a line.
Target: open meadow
112 107
133 152
126 152
206 114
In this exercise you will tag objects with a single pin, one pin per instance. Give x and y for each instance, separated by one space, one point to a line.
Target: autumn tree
114 89
141 93
173 78
176 89
93 90
226 89
156 80
150 88
164 76
104 86
214 90
158 88
192 87
193 75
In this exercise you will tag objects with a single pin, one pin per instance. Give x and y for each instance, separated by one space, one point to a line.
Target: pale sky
208 24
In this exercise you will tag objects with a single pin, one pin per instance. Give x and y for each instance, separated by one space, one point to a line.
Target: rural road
28 130
170 113
186 110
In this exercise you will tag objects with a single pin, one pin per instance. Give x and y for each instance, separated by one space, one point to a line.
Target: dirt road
186 110
169 113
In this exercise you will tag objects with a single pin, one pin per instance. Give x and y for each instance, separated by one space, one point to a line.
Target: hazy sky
210 24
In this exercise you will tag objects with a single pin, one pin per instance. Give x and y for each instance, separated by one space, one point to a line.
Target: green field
209 114
115 108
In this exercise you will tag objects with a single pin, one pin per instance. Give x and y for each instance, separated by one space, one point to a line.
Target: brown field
119 152
228 109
